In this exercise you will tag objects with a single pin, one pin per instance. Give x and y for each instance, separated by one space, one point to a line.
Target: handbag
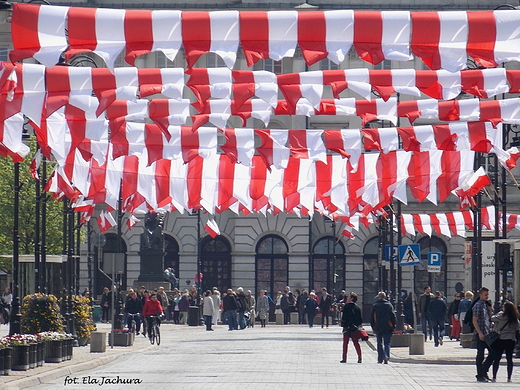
493 336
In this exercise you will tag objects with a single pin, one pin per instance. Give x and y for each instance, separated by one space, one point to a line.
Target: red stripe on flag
481 37
426 32
254 35
368 34
196 35
138 34
312 36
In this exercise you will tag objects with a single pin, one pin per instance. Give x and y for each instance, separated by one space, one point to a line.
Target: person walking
311 307
251 305
453 317
408 310
300 306
284 305
241 308
325 306
184 305
262 308
382 320
208 309
482 323
106 304
507 325
230 306
438 310
216 304
423 308
351 321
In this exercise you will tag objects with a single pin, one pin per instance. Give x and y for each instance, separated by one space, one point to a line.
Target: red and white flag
212 228
105 221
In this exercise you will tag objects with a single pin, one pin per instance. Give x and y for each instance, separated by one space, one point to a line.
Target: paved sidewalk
449 354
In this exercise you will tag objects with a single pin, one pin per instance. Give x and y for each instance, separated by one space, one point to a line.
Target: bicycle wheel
133 326
157 334
152 334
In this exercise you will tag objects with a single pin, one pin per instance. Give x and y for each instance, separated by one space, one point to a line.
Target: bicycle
154 332
133 324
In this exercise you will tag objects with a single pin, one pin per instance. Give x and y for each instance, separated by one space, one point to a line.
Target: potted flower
41 313
84 320
20 344
54 349
400 338
121 338
5 356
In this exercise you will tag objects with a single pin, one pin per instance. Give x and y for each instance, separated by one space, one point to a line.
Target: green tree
27 210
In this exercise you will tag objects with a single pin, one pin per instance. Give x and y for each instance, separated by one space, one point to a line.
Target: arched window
437 280
171 254
325 271
370 274
215 263
272 265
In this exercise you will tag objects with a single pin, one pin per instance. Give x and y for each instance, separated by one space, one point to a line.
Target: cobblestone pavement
275 357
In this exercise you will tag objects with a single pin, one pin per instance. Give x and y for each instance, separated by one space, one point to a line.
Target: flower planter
70 349
53 351
33 349
82 341
121 339
400 340
40 354
5 361
20 358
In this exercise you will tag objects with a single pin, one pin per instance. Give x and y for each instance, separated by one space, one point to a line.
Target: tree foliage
27 210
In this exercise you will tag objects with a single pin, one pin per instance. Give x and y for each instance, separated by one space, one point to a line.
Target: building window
385 64
275 67
272 265
215 263
370 275
4 54
327 64
171 255
436 280
214 61
162 61
328 266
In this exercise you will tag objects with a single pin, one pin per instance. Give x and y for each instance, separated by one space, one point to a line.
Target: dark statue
152 237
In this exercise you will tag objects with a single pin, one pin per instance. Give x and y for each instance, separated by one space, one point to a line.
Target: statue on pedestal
152 237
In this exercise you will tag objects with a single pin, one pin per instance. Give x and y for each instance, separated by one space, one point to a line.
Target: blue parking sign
434 261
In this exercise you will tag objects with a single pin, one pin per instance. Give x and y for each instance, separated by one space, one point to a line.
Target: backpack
468 318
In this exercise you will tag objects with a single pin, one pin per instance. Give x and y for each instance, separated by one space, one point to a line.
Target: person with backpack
481 312
464 306
382 320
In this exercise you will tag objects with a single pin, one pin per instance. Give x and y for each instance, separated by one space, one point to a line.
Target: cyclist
133 307
152 307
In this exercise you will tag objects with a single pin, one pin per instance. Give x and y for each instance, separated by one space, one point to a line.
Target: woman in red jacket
152 307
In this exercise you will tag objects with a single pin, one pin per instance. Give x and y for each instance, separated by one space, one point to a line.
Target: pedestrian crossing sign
409 254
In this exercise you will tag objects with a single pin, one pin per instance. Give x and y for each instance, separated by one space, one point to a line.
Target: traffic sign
388 254
409 254
434 261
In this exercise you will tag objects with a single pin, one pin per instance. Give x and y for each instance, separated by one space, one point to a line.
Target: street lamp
14 322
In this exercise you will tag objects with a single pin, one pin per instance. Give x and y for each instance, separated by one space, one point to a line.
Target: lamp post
14 324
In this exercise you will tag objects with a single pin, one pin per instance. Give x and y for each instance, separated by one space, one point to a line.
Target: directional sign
434 261
409 254
389 255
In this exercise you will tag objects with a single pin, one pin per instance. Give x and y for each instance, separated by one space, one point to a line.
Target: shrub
41 313
83 315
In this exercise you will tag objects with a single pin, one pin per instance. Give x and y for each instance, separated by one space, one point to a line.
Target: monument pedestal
152 262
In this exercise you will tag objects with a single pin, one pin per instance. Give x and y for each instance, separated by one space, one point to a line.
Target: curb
58 372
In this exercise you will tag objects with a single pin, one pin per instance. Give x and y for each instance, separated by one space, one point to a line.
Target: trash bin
193 316
98 342
96 312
